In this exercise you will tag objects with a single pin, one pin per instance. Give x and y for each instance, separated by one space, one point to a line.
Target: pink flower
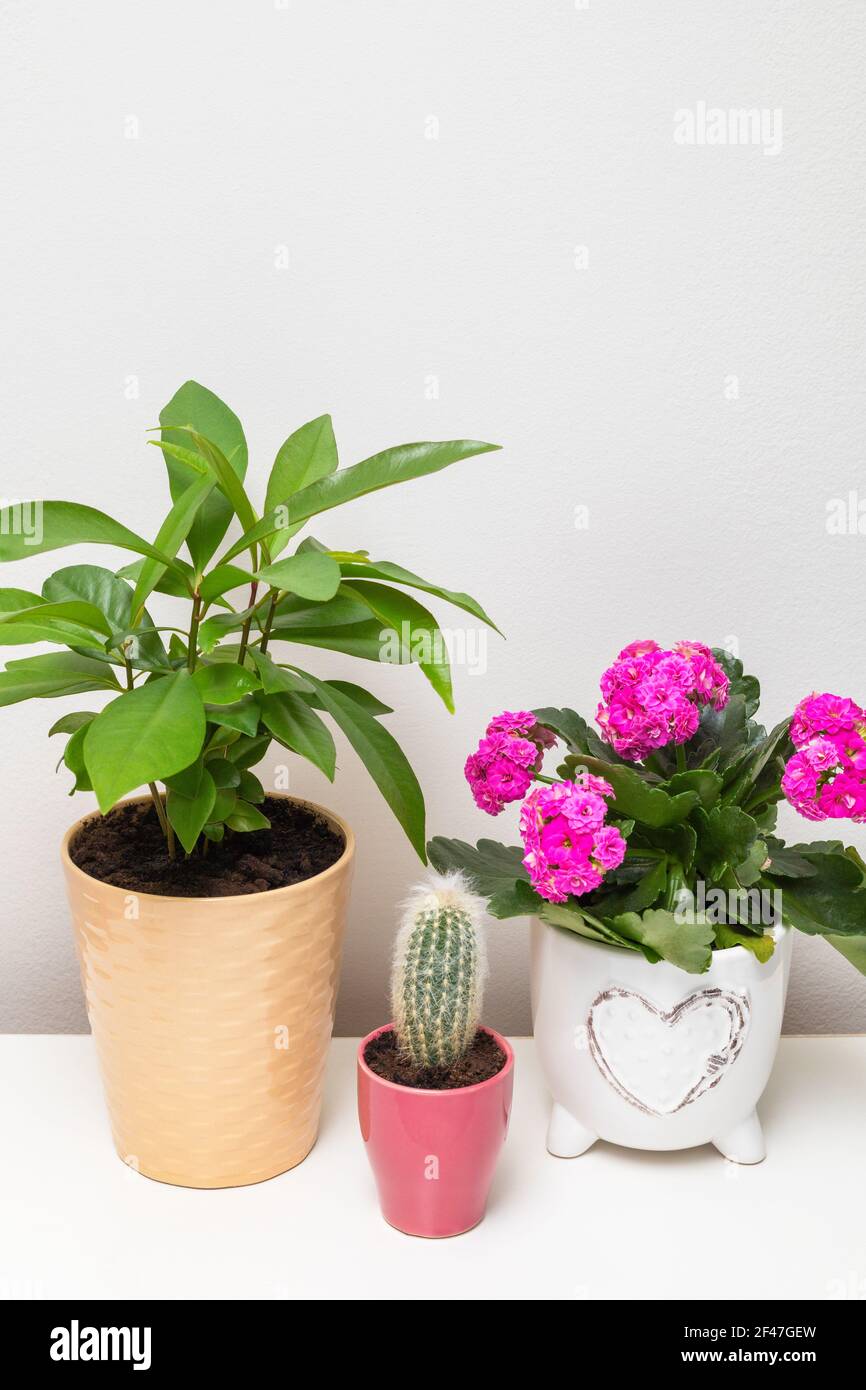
826 777
506 760
568 846
608 848
651 697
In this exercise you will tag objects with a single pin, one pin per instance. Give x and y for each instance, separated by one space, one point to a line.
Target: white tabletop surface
76 1223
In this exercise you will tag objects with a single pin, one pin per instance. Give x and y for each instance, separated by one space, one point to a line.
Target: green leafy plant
437 981
681 857
196 705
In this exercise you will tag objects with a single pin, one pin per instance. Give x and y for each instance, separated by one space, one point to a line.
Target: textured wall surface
436 220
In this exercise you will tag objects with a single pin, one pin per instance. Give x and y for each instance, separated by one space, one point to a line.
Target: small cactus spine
437 982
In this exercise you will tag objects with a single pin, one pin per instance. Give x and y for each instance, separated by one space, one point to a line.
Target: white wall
304 125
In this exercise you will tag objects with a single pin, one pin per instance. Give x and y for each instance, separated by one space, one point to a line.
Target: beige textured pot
212 1019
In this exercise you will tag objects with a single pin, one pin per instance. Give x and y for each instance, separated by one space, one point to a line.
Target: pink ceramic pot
433 1152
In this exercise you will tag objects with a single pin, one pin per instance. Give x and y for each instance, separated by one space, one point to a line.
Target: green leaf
306 456
247 752
226 801
686 944
414 629
146 735
215 833
44 677
250 789
188 815
194 406
179 581
221 581
853 948
74 760
69 523
245 818
760 946
224 683
707 784
398 465
357 693
574 731
95 585
84 615
574 917
341 611
830 903
635 899
362 640
294 724
725 837
14 600
786 862
274 679
172 534
244 716
187 782
223 473
307 574
633 797
383 758
226 777
215 628
71 723
492 869
395 574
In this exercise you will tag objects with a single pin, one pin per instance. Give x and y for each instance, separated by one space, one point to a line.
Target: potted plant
650 859
434 1087
209 915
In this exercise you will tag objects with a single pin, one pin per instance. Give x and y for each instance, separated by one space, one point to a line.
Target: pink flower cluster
826 778
506 760
569 848
653 697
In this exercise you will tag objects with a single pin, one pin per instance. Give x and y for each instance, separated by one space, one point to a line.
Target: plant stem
269 621
130 678
193 634
245 632
681 758
158 807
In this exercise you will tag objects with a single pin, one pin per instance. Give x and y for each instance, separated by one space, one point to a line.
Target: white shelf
76 1223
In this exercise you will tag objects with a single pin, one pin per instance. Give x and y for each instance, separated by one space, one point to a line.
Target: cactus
437 982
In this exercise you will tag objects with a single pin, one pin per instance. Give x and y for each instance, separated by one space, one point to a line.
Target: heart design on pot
662 1061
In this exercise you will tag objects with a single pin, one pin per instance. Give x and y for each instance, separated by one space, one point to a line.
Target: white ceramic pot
651 1057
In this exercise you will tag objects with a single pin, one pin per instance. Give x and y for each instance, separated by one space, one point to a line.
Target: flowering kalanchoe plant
658 835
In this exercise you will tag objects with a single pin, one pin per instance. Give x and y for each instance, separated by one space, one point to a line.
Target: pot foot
744 1143
566 1136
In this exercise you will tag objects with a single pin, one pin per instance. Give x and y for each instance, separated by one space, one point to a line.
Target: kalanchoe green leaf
683 943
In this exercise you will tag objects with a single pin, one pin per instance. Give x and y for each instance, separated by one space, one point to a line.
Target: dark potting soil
483 1059
127 849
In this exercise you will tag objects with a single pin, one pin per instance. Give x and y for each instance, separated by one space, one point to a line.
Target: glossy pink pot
433 1153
